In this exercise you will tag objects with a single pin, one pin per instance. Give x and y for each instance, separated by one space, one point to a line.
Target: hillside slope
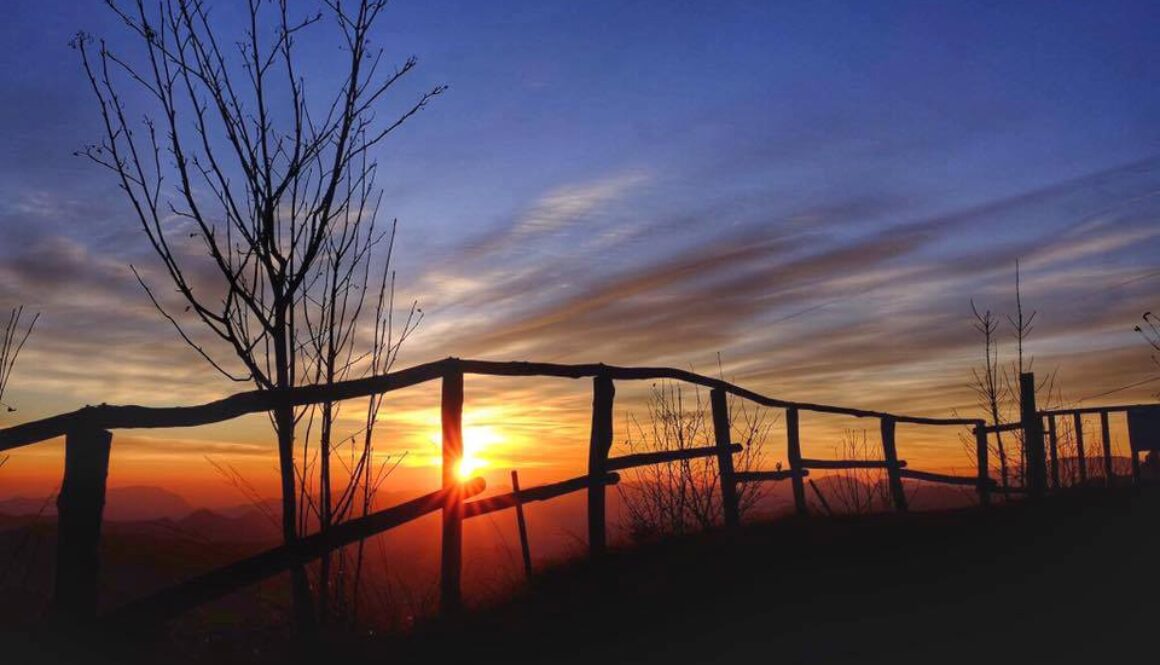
1070 580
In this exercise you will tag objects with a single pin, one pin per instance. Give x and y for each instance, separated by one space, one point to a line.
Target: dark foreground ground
1075 579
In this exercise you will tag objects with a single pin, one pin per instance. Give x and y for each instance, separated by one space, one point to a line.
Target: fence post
1053 441
729 504
525 549
1032 423
1105 432
1143 434
600 443
1079 451
1135 463
897 491
794 453
80 506
451 598
981 452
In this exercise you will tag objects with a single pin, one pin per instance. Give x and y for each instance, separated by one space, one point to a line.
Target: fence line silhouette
88 442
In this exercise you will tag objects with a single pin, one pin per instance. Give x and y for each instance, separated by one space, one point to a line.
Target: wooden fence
88 442
1039 434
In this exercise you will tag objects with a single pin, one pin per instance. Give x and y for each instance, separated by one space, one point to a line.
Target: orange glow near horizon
505 428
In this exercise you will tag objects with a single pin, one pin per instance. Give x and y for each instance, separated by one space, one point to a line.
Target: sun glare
468 466
478 440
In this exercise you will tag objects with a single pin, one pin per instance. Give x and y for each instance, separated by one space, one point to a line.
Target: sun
469 465
478 440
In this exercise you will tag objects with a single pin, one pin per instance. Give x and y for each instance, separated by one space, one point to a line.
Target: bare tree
855 491
996 385
991 392
15 334
1022 324
1021 327
12 340
242 176
333 315
682 497
1150 331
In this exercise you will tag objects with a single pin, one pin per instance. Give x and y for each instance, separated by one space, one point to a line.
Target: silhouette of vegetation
258 195
682 497
15 334
1151 333
12 341
995 385
854 491
991 391
338 294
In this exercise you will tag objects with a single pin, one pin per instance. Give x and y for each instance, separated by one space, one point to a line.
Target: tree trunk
326 517
300 587
284 426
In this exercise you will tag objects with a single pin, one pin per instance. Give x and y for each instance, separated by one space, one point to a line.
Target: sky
804 197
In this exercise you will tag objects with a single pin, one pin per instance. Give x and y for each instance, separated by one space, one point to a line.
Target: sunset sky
815 191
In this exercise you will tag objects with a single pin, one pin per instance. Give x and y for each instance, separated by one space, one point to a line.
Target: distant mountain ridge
150 503
130 503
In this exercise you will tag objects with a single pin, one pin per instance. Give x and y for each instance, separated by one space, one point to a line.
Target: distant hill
146 503
249 526
21 505
122 504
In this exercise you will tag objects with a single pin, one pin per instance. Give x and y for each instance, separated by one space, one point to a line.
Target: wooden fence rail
1092 410
1003 427
945 478
143 417
88 441
665 456
201 589
765 476
836 464
1043 466
541 493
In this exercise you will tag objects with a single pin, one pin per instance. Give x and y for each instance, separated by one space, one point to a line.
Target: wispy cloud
809 299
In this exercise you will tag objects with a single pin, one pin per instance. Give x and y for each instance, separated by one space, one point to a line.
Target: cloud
808 302
809 297
98 338
561 208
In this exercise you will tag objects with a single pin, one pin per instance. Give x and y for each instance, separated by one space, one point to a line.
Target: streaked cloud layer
814 191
